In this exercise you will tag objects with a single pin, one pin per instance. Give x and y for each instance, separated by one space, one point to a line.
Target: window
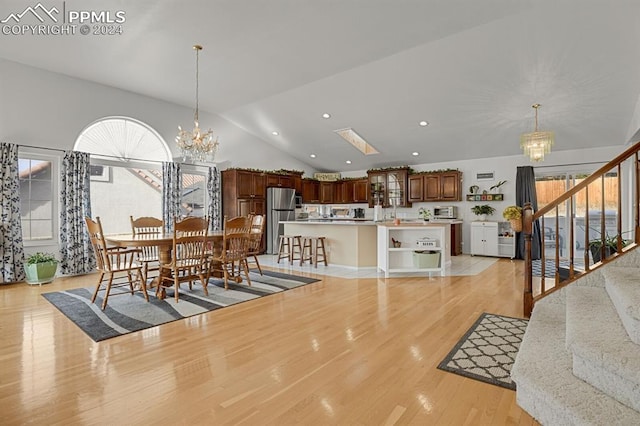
550 186
194 193
38 203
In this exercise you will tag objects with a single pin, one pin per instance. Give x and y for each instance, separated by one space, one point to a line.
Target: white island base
411 257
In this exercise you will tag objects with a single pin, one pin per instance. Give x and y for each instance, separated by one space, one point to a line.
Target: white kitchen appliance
445 212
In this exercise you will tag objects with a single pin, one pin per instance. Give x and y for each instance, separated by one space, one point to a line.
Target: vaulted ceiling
471 69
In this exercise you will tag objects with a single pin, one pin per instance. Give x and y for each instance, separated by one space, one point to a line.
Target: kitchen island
358 244
348 242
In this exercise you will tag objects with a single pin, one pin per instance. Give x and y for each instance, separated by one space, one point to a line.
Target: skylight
357 141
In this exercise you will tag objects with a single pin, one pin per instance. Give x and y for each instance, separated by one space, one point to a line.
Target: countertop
368 222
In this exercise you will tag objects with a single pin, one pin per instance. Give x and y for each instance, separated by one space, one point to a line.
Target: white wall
49 110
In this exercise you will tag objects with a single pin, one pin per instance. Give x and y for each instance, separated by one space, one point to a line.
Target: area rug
128 314
487 351
550 268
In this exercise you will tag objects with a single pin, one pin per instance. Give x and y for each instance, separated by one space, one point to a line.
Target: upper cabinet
310 191
388 188
281 181
435 186
244 183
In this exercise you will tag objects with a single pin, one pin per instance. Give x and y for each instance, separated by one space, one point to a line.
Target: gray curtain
171 193
215 193
11 247
75 245
526 193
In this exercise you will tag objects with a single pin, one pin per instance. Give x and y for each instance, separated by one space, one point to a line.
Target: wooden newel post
527 226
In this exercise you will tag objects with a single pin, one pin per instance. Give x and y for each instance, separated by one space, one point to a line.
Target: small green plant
512 212
498 185
40 257
483 209
424 213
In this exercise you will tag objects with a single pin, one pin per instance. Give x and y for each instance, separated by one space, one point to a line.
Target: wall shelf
485 197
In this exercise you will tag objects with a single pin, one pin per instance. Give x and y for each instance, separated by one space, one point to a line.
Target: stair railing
599 243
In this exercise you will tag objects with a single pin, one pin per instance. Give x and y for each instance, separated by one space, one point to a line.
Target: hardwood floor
340 351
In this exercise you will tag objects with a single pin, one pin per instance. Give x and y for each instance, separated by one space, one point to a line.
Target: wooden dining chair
150 227
115 261
189 256
256 233
235 245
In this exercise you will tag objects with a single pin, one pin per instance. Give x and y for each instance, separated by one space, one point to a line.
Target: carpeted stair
579 361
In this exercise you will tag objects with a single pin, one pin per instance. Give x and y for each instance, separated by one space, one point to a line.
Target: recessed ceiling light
415 154
326 115
312 155
274 133
424 123
348 161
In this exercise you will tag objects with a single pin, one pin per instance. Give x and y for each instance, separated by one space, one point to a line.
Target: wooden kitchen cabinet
280 181
361 190
247 206
389 188
442 186
416 188
243 183
456 239
310 191
326 192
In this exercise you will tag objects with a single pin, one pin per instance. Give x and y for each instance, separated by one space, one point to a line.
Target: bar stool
316 250
287 245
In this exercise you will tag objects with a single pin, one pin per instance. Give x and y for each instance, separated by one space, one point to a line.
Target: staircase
579 361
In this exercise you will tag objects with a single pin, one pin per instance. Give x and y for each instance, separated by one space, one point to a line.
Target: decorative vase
482 217
40 273
516 224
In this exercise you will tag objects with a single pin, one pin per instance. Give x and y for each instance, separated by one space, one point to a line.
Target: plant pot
482 217
596 252
40 273
516 224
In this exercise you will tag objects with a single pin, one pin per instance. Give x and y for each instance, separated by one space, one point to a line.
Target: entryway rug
128 314
487 351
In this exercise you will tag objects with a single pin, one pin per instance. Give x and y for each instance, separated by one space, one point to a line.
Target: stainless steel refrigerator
281 206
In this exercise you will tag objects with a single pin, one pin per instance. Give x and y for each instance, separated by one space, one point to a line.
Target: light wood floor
340 351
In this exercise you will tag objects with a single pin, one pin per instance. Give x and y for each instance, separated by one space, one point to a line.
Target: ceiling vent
357 141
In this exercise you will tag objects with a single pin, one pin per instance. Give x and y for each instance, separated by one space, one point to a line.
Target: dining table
164 242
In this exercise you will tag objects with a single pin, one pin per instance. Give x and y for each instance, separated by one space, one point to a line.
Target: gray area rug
550 268
487 351
125 314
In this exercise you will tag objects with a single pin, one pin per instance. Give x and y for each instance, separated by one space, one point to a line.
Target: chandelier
196 144
536 144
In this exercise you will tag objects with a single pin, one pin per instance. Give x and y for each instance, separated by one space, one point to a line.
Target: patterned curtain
75 245
215 194
11 248
171 193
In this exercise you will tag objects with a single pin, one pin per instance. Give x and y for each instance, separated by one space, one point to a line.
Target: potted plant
609 246
40 268
514 215
482 211
497 186
425 214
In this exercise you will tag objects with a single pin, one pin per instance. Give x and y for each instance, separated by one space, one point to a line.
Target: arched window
122 138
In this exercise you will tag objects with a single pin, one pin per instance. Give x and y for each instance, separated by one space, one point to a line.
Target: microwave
445 212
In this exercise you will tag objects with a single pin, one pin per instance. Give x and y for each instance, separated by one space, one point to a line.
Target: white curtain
11 247
75 244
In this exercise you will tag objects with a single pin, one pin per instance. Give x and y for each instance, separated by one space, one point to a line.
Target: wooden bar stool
313 249
287 245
